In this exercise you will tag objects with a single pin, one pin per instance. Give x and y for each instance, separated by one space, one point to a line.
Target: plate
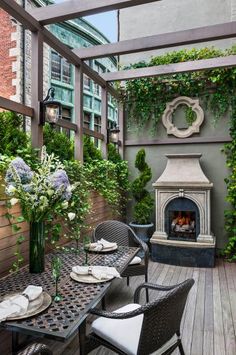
88 279
43 303
105 250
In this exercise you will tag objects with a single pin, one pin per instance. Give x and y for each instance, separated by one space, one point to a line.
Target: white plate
43 302
104 250
88 279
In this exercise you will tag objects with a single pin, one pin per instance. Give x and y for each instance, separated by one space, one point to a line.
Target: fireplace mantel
183 177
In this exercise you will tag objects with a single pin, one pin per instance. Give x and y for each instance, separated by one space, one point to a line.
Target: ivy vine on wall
146 100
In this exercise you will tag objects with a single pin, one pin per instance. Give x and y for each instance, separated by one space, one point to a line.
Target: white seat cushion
136 260
125 333
122 333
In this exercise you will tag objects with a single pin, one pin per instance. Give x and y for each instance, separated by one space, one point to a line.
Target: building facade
15 66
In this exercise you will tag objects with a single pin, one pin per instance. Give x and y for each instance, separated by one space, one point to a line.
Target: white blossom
13 201
71 216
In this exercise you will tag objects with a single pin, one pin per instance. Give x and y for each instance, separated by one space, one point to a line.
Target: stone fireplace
183 214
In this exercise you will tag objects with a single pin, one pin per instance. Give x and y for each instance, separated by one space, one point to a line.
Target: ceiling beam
165 40
72 9
29 22
203 64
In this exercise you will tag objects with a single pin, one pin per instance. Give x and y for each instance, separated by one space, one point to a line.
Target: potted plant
144 201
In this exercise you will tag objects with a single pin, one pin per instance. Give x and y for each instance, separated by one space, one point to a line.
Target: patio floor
209 322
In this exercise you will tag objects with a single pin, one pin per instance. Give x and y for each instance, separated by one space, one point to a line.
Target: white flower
71 216
11 189
13 201
64 204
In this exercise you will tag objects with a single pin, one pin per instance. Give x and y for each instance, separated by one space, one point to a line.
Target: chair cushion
122 333
135 260
125 333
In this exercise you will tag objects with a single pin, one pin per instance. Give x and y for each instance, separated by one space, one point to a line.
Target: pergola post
36 88
104 122
78 109
121 120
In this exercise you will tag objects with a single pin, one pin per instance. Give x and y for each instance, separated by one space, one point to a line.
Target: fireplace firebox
183 214
182 220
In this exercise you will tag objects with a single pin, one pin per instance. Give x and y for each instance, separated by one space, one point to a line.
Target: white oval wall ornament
167 118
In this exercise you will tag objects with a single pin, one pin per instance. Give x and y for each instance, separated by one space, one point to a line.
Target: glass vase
37 247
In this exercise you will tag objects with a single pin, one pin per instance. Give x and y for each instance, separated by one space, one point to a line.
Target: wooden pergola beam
72 9
29 22
11 105
191 66
165 40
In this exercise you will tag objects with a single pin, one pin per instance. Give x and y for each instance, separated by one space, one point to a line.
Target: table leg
82 337
15 342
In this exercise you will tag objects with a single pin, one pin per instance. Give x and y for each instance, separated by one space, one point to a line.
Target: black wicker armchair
141 330
36 348
122 234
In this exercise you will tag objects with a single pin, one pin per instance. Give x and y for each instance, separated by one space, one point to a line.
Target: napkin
17 305
102 244
99 272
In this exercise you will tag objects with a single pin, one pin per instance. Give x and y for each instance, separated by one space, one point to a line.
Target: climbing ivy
146 98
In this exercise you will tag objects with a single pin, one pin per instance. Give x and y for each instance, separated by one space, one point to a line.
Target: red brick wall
6 74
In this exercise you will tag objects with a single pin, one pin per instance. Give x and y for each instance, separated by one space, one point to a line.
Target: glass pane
56 66
87 82
66 72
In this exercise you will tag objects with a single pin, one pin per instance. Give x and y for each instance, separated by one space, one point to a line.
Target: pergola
35 20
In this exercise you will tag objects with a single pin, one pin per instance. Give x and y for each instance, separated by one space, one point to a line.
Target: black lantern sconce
50 109
113 134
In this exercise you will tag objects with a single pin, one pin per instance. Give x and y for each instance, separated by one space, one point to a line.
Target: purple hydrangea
22 169
60 179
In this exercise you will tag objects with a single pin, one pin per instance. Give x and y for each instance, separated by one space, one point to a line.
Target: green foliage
113 154
146 98
90 151
144 201
12 136
102 177
190 115
230 215
58 143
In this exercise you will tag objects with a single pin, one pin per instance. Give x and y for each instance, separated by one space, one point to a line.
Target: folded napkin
102 244
99 272
18 305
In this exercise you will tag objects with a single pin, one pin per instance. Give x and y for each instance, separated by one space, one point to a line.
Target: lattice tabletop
62 319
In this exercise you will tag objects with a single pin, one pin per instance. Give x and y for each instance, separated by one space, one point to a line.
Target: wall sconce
113 135
50 109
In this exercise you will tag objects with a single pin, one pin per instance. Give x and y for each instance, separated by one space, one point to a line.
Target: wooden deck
209 322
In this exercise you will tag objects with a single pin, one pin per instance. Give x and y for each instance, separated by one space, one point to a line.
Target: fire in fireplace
182 220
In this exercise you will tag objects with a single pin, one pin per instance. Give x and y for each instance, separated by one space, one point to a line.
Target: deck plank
209 320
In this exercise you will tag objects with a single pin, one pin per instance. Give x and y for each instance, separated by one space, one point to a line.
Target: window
66 115
60 68
97 128
87 82
87 120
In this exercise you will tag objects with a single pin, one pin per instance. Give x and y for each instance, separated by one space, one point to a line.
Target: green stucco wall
213 163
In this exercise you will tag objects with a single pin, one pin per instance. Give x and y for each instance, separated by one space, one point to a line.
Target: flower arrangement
41 192
43 195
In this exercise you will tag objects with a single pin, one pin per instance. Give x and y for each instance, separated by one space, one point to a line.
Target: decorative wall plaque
167 118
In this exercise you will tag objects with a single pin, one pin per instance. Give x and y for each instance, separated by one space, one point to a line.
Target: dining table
61 320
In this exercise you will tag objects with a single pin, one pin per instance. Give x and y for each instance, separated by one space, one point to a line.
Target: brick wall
7 60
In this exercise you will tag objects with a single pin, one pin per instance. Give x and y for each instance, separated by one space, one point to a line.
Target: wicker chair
122 234
141 330
36 348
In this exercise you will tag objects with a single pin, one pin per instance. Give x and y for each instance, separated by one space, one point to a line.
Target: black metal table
61 320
